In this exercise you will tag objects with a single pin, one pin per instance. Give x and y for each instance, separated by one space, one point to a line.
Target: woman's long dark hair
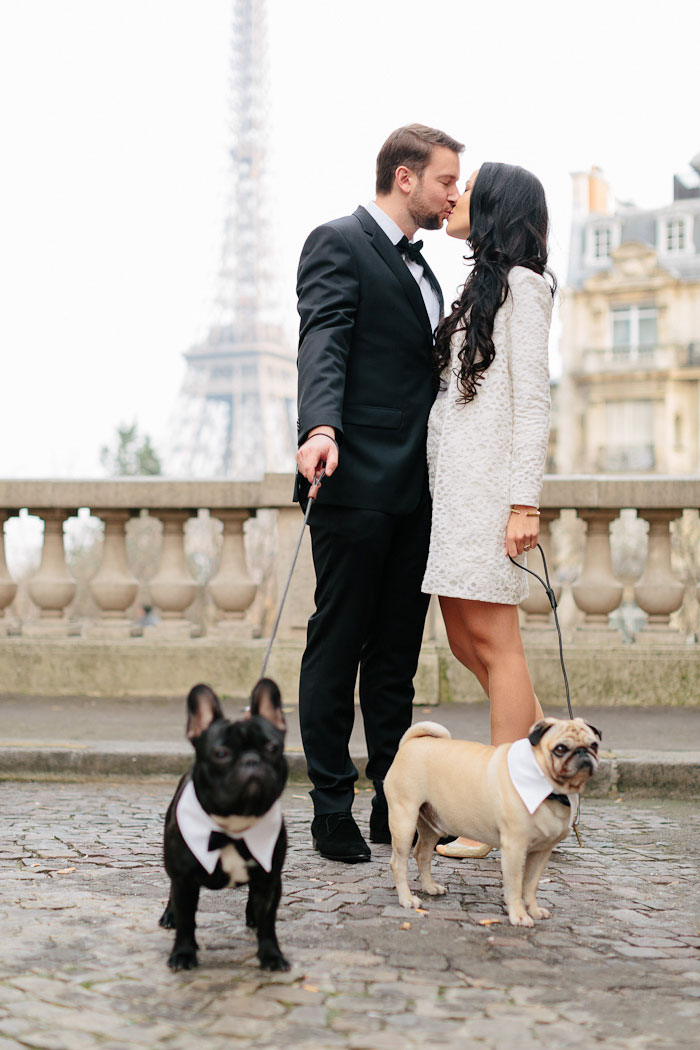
509 225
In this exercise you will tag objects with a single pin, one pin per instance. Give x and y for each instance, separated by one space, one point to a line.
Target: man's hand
318 450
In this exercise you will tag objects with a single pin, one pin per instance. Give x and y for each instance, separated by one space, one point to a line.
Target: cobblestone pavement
83 961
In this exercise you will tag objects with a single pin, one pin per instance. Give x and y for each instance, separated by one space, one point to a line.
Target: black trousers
370 614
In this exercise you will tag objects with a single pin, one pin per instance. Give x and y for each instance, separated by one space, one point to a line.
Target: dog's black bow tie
218 839
411 248
564 799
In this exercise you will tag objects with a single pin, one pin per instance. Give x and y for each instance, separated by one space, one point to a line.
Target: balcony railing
654 358
226 581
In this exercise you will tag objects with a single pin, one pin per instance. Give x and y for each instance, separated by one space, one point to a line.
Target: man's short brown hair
411 146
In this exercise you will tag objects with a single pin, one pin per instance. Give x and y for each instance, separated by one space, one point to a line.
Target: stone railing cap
615 491
577 491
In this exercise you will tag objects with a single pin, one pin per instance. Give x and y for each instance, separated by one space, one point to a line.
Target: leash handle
553 602
547 586
315 486
313 493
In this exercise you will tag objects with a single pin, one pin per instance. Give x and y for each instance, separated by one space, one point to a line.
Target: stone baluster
8 587
232 589
172 588
597 592
538 627
300 599
435 630
658 592
114 587
52 588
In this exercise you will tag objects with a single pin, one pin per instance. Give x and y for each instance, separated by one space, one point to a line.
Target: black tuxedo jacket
364 364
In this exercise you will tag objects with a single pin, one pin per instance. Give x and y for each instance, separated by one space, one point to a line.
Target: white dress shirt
395 233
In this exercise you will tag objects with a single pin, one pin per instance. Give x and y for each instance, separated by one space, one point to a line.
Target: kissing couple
432 426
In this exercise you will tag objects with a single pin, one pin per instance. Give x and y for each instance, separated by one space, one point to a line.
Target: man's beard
422 215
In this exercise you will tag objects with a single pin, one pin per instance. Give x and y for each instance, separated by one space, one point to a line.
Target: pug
224 826
517 796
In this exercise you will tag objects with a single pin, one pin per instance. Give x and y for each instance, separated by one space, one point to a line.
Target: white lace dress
490 453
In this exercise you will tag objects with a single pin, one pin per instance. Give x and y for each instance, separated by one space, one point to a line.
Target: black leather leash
553 602
313 493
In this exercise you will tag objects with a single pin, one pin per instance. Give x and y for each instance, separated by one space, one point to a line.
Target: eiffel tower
236 412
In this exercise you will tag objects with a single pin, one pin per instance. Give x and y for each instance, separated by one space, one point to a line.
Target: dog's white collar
529 781
196 826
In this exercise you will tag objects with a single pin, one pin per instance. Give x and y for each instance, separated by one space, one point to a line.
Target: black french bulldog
224 826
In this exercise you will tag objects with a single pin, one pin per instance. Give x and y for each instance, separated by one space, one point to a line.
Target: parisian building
629 396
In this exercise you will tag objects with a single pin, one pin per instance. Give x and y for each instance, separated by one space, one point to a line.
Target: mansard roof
636 225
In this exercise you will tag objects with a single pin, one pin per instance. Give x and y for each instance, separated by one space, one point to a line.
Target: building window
629 433
674 234
601 239
602 242
634 331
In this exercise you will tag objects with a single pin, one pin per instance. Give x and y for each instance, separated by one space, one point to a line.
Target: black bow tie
219 839
411 248
564 799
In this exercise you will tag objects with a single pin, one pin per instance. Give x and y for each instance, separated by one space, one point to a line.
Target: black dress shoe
379 826
379 817
336 836
379 821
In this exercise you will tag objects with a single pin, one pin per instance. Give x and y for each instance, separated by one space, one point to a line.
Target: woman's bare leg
460 641
485 637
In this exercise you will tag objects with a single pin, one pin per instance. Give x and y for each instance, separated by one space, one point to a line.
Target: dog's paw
411 901
519 917
435 889
539 913
167 919
273 961
182 959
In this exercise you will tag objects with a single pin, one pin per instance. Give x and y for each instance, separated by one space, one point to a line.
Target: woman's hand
522 530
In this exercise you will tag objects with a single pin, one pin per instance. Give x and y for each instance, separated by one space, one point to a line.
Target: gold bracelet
527 513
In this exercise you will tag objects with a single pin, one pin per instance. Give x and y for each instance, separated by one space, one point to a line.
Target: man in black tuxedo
369 305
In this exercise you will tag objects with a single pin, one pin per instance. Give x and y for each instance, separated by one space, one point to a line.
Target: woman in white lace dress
487 441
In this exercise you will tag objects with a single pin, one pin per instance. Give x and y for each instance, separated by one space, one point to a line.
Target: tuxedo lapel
436 286
390 255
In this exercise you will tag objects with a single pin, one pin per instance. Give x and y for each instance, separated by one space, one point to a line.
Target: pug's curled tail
425 729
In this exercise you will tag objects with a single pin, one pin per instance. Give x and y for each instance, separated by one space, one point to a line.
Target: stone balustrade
114 587
598 501
237 599
597 593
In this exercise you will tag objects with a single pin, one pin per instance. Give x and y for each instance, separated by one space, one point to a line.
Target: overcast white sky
113 133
